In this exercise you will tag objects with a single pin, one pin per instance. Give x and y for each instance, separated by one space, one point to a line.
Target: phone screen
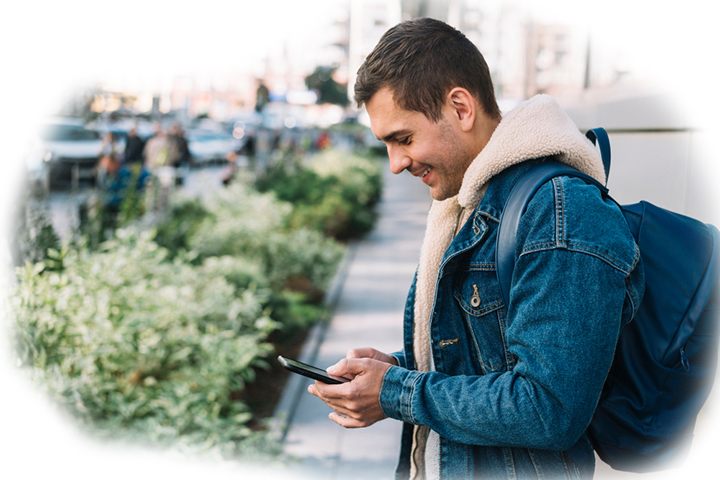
310 371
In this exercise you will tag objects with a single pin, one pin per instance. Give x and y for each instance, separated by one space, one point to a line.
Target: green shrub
241 272
35 233
243 236
334 193
124 338
154 335
238 222
184 218
244 223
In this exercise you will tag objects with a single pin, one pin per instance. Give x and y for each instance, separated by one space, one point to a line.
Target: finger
327 392
336 405
319 390
343 411
353 367
339 369
365 352
346 422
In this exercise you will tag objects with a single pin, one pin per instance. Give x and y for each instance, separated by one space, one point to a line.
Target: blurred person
243 157
179 152
488 390
323 140
134 147
109 158
130 178
228 174
157 149
249 147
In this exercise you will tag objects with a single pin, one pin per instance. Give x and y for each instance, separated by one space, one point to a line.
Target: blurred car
68 149
211 146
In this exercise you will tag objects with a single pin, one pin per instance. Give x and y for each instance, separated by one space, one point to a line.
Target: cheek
424 153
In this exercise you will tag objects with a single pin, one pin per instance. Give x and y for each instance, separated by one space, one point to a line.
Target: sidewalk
368 312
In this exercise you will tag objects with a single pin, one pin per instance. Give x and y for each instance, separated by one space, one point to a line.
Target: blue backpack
666 357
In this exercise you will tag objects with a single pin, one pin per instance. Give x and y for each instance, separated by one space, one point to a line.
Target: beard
450 166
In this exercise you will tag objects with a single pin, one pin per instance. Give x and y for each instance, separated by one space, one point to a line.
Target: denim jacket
514 388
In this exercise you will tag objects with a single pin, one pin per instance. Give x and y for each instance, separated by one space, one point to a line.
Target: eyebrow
393 135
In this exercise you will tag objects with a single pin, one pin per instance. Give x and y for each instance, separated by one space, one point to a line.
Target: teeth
426 172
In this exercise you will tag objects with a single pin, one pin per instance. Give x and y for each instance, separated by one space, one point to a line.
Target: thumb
349 366
339 369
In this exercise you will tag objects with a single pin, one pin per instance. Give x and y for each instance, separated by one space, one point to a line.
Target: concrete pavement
368 312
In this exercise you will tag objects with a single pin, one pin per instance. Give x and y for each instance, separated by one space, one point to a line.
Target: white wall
659 154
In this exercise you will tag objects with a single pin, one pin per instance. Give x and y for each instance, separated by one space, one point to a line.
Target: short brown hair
421 60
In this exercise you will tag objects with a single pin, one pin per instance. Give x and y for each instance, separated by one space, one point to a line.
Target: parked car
69 150
211 146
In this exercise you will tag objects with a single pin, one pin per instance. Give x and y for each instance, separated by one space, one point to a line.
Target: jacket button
475 299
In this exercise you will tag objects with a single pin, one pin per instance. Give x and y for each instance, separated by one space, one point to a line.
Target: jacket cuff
400 358
397 391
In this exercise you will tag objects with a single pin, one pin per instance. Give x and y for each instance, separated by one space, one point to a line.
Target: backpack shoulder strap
598 136
522 192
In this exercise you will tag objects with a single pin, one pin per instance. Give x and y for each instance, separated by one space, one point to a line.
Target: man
488 390
134 147
157 148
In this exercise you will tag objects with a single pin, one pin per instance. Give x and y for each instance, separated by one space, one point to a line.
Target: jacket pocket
478 295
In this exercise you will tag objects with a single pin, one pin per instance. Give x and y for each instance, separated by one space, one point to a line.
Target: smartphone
310 371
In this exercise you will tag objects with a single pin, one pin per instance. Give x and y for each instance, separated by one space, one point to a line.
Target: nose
398 160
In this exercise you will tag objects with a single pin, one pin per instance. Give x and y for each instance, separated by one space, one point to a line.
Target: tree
328 90
262 97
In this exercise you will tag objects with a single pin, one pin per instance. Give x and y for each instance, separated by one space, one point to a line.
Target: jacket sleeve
565 315
400 357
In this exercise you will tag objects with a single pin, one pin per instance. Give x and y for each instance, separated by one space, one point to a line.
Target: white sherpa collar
536 128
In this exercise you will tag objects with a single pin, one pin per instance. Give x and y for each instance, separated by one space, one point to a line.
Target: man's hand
356 403
368 352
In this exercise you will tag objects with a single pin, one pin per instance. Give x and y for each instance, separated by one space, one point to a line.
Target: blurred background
226 72
251 85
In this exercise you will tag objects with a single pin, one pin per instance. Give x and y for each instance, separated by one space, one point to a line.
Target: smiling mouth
426 172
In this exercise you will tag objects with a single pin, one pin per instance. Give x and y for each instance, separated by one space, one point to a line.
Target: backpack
666 357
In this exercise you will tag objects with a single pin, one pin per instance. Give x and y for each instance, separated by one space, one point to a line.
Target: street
64 205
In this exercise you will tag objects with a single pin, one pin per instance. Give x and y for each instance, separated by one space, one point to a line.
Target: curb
295 385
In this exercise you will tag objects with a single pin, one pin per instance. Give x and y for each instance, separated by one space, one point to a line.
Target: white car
69 151
211 146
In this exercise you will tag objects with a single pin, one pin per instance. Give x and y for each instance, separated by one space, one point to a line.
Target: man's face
433 152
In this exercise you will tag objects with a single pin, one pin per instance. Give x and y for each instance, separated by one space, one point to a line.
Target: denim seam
478 313
473 337
537 412
615 263
501 318
488 215
455 322
580 248
569 473
536 464
410 395
380 395
482 267
630 288
560 227
495 367
510 463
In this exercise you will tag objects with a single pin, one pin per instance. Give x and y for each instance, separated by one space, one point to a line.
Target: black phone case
308 373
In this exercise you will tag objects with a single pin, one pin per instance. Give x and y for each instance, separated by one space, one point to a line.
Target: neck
481 133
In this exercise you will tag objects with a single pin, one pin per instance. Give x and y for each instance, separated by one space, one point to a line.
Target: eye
404 141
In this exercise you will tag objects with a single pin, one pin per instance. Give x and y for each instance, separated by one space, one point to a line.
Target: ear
463 107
